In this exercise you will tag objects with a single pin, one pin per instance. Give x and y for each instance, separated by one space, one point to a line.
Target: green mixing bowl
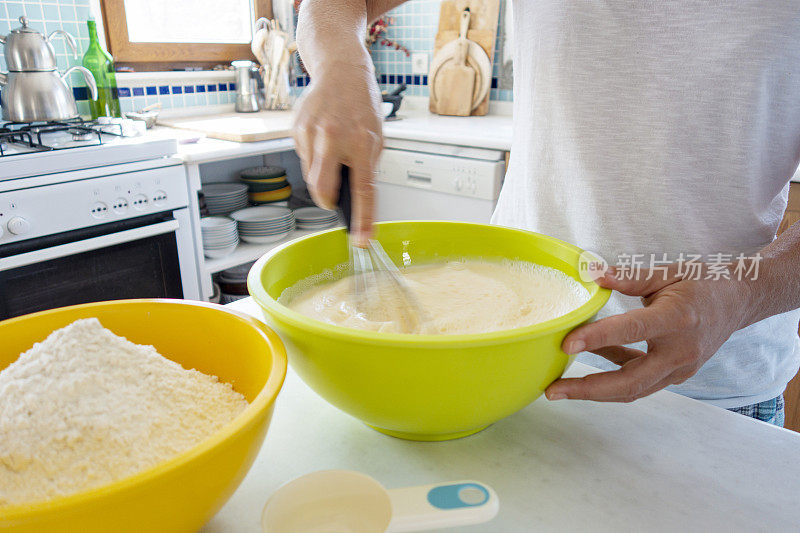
422 387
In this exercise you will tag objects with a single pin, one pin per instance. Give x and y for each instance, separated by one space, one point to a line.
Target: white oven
104 233
426 181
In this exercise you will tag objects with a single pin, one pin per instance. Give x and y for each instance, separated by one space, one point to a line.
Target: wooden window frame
166 56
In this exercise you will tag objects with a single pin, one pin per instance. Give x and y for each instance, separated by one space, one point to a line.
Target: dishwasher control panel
461 176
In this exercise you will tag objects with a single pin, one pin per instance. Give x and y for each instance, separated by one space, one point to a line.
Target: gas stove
29 137
42 148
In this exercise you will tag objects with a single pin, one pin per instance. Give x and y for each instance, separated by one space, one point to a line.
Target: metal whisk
377 280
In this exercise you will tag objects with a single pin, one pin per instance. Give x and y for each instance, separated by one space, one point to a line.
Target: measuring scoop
342 501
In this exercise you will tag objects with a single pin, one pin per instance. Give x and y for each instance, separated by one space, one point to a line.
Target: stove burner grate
30 134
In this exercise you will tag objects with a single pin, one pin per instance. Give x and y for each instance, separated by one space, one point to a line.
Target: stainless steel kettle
33 90
41 96
26 49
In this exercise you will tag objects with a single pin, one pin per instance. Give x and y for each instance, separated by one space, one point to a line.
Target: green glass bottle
101 65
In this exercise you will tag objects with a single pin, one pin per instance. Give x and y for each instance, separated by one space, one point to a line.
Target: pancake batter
459 297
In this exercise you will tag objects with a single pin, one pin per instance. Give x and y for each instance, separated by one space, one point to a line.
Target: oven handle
72 248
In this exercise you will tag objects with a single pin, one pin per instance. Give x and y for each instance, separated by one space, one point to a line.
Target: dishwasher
427 181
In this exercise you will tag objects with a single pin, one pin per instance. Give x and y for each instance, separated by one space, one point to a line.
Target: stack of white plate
233 283
219 236
315 218
224 198
264 224
230 298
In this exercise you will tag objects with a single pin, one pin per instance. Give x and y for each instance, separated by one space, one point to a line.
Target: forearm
776 289
338 121
331 32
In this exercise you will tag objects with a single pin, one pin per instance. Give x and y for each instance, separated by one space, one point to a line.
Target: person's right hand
338 122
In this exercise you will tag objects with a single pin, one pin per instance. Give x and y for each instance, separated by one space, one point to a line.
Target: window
159 34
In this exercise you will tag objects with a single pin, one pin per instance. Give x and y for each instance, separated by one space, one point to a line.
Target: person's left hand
684 323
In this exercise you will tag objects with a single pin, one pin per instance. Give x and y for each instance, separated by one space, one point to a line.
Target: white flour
85 408
460 297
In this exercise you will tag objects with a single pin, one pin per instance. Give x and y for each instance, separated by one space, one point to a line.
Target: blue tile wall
80 93
142 93
414 25
70 15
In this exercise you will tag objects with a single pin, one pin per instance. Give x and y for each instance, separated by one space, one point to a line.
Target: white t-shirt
650 127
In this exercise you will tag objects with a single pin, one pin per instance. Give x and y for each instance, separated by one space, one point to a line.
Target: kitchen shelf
247 252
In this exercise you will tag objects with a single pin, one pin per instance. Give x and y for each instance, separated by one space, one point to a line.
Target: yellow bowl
184 492
271 196
422 387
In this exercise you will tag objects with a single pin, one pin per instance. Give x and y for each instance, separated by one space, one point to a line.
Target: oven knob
120 206
100 210
140 202
18 226
457 183
159 197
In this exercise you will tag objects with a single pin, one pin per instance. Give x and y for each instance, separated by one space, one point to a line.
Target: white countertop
663 463
416 123
489 131
207 149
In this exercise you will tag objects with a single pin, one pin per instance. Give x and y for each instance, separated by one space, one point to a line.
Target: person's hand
338 123
684 323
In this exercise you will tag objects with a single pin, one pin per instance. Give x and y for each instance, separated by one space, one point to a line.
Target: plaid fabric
770 411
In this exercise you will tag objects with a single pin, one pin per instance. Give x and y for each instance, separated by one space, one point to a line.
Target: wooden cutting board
456 79
238 127
484 15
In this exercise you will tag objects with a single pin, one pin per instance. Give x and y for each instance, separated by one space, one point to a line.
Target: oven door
135 258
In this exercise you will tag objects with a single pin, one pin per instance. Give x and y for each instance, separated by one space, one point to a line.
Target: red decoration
377 34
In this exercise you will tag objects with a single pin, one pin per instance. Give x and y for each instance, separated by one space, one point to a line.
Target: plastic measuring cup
341 501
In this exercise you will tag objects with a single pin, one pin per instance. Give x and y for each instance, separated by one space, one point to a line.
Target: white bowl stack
264 224
224 198
219 236
315 218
